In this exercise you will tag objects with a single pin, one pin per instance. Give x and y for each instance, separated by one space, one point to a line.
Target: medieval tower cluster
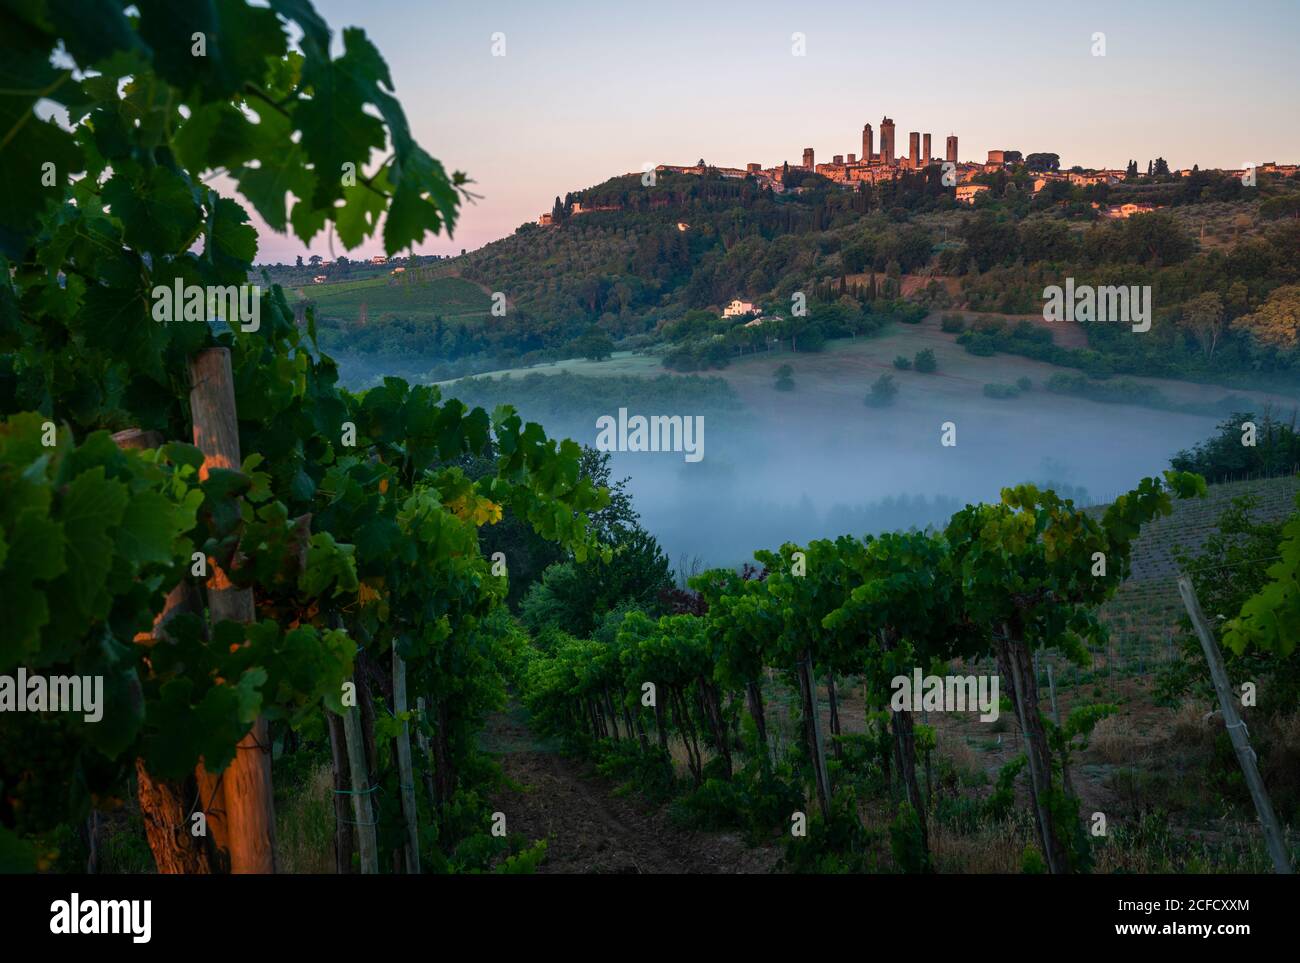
885 163
871 165
919 150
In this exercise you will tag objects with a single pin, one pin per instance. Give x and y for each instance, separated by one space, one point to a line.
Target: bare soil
590 828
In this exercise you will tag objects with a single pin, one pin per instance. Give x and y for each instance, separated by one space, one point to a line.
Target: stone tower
868 143
808 158
925 150
952 148
914 149
887 142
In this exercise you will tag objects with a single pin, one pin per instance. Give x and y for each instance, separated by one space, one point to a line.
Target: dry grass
965 761
992 848
305 827
1281 764
1114 741
1189 726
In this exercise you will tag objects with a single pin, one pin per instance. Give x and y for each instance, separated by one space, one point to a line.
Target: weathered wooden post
405 771
363 812
246 782
1273 838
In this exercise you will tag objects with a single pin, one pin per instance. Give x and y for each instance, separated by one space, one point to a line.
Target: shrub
784 384
925 361
1121 391
902 363
1000 391
952 323
883 391
1023 383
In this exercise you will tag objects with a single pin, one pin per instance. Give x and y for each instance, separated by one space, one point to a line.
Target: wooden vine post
363 812
405 771
245 792
165 806
813 731
1273 838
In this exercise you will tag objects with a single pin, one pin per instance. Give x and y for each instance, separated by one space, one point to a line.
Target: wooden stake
808 683
363 812
165 806
1273 838
426 753
246 783
343 835
405 772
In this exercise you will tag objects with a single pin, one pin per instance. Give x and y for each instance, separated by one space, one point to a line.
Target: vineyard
192 508
251 569
455 300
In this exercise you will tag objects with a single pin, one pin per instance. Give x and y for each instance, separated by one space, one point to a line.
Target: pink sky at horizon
586 92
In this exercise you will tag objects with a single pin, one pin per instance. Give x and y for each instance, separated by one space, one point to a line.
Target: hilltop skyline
680 83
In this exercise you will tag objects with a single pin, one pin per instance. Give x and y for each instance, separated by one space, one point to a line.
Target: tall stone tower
952 148
914 149
808 158
925 151
887 142
868 143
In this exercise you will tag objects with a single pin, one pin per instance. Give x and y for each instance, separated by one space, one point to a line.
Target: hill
631 260
629 266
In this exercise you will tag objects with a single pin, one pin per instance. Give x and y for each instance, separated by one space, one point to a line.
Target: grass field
453 299
849 366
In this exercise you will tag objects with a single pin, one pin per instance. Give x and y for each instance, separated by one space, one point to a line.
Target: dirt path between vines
588 828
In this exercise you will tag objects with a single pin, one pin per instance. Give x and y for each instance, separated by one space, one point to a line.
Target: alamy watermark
949 693
75 915
1108 304
59 693
684 433
197 302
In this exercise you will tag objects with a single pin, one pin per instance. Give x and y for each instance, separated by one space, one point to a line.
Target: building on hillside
1087 178
1042 180
579 208
379 259
1122 212
737 307
546 220
966 193
319 279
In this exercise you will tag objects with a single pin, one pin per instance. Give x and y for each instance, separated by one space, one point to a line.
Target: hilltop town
872 166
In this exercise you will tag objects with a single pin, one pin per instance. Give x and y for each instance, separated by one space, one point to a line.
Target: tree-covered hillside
623 260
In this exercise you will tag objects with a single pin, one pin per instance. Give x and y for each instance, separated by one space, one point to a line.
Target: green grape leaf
157 212
92 507
150 526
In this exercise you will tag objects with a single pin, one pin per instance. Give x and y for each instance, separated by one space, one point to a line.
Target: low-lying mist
796 467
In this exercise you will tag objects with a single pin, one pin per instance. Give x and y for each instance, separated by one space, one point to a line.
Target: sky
586 90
